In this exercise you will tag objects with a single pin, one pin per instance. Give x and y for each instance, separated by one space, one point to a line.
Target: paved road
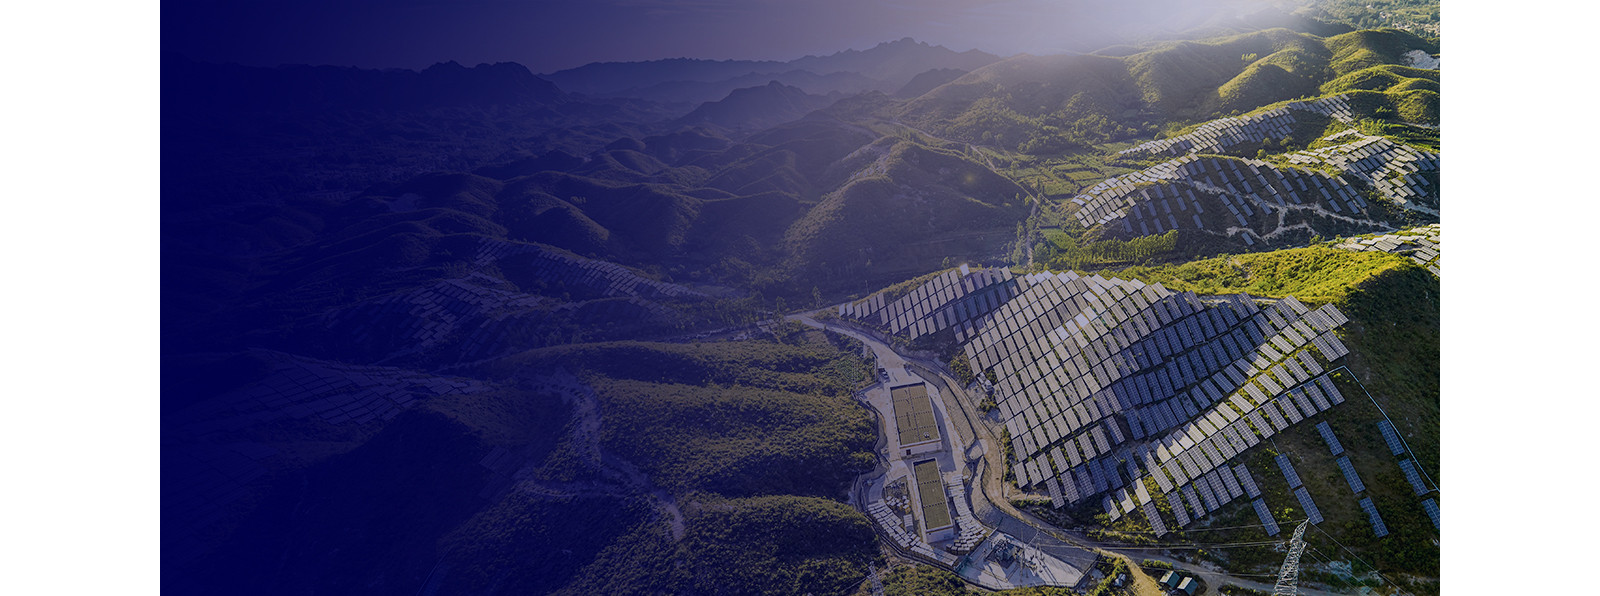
989 503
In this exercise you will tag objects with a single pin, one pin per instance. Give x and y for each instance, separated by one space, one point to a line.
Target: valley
898 320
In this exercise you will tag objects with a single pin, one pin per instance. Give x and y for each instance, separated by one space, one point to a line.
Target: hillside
469 330
1052 104
758 108
884 67
515 469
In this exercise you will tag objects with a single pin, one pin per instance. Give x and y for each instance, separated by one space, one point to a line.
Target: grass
1066 250
1315 275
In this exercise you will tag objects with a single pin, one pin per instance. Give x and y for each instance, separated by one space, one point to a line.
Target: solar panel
1266 517
1275 415
1410 469
1113 510
1206 495
1432 507
1175 468
1288 470
1372 515
1317 398
1154 516
1391 437
1304 402
1260 423
1270 385
1056 500
1211 452
1327 437
1242 429
1175 501
1307 505
1085 484
1192 496
1329 390
1229 481
1246 481
1350 476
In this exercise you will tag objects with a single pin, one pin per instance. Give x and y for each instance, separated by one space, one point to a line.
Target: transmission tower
1289 576
877 584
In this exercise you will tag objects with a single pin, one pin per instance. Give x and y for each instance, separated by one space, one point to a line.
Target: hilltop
884 67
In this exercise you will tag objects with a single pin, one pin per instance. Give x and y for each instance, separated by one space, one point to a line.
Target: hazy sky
548 35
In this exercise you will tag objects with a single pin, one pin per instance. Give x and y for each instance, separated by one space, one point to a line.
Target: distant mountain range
885 67
299 87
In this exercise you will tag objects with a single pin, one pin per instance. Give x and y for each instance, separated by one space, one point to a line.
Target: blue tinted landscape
857 298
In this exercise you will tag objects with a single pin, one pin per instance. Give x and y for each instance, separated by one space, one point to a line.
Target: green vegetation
1315 275
1154 564
1066 250
755 440
774 545
928 204
1393 333
1384 77
1104 587
723 416
1233 590
961 369
920 580
1373 47
1418 16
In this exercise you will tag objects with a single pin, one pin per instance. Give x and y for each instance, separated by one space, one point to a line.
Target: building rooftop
913 414
930 494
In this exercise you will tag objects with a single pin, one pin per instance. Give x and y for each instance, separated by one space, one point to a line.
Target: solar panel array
1101 382
1327 437
958 298
1216 136
1042 434
1372 516
1391 437
1350 476
1307 505
1392 169
1223 194
1266 517
1432 507
1420 243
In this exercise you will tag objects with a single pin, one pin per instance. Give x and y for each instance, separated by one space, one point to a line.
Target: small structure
915 426
937 523
1171 579
1189 586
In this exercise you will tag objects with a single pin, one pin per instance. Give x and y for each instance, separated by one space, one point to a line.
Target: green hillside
754 442
920 206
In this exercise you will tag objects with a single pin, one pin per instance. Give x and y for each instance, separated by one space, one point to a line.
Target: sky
549 35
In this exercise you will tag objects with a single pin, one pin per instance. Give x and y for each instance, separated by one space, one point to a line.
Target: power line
1414 459
1289 575
1363 561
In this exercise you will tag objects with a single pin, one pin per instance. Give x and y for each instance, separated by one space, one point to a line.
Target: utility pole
1289 576
877 584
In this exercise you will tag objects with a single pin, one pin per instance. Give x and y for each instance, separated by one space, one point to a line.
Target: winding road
989 502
